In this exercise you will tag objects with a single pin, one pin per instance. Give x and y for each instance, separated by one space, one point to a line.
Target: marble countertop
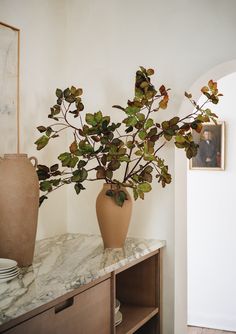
62 264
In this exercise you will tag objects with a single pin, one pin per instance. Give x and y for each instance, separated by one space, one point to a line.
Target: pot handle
35 161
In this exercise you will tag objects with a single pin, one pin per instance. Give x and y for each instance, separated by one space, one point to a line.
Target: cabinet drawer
86 313
89 314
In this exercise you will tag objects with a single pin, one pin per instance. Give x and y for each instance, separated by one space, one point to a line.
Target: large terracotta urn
113 220
19 201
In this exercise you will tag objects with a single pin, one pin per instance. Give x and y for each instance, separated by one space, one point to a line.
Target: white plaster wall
212 230
42 69
107 41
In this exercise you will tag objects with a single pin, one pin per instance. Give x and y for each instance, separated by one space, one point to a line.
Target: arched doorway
216 73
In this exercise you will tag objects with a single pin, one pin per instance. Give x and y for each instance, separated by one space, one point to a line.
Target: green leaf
56 182
59 93
42 175
41 199
41 128
180 139
141 193
66 92
165 125
98 116
53 168
130 144
130 121
64 156
48 131
70 99
110 193
122 151
77 188
72 90
79 175
174 121
124 158
42 142
120 197
114 165
132 110
145 187
179 145
80 107
43 168
149 123
73 162
140 116
46 186
135 193
152 132
138 153
68 160
81 164
85 147
109 174
90 119
167 136
142 134
129 129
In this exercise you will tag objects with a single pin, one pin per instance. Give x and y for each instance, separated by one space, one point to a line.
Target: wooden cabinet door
86 313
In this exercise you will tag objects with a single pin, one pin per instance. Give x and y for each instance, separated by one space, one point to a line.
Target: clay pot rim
15 155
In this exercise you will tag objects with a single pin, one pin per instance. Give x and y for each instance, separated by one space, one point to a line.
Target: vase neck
112 186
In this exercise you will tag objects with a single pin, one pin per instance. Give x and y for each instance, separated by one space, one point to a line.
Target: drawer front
86 313
36 325
89 314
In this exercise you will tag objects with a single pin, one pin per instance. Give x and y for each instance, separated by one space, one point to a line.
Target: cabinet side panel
137 285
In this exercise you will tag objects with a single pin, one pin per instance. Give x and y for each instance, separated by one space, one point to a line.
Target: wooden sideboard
89 309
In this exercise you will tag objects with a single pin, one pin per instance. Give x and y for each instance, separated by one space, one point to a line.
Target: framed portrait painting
9 87
211 151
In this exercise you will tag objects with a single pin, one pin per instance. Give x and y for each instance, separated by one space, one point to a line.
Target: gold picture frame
211 151
9 85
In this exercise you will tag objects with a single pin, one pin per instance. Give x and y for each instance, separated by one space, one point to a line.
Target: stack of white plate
118 314
8 270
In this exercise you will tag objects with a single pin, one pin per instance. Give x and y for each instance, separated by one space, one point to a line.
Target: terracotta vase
113 220
19 201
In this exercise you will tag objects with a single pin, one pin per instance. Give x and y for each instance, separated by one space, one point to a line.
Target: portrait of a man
211 147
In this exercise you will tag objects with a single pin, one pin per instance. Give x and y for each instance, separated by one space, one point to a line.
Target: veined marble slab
62 264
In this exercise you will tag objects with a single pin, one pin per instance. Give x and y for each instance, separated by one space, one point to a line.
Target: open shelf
134 317
138 290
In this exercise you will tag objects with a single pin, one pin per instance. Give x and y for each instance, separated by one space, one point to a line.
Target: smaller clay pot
113 220
19 201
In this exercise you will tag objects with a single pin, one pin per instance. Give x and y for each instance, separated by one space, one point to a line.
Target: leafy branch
134 148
